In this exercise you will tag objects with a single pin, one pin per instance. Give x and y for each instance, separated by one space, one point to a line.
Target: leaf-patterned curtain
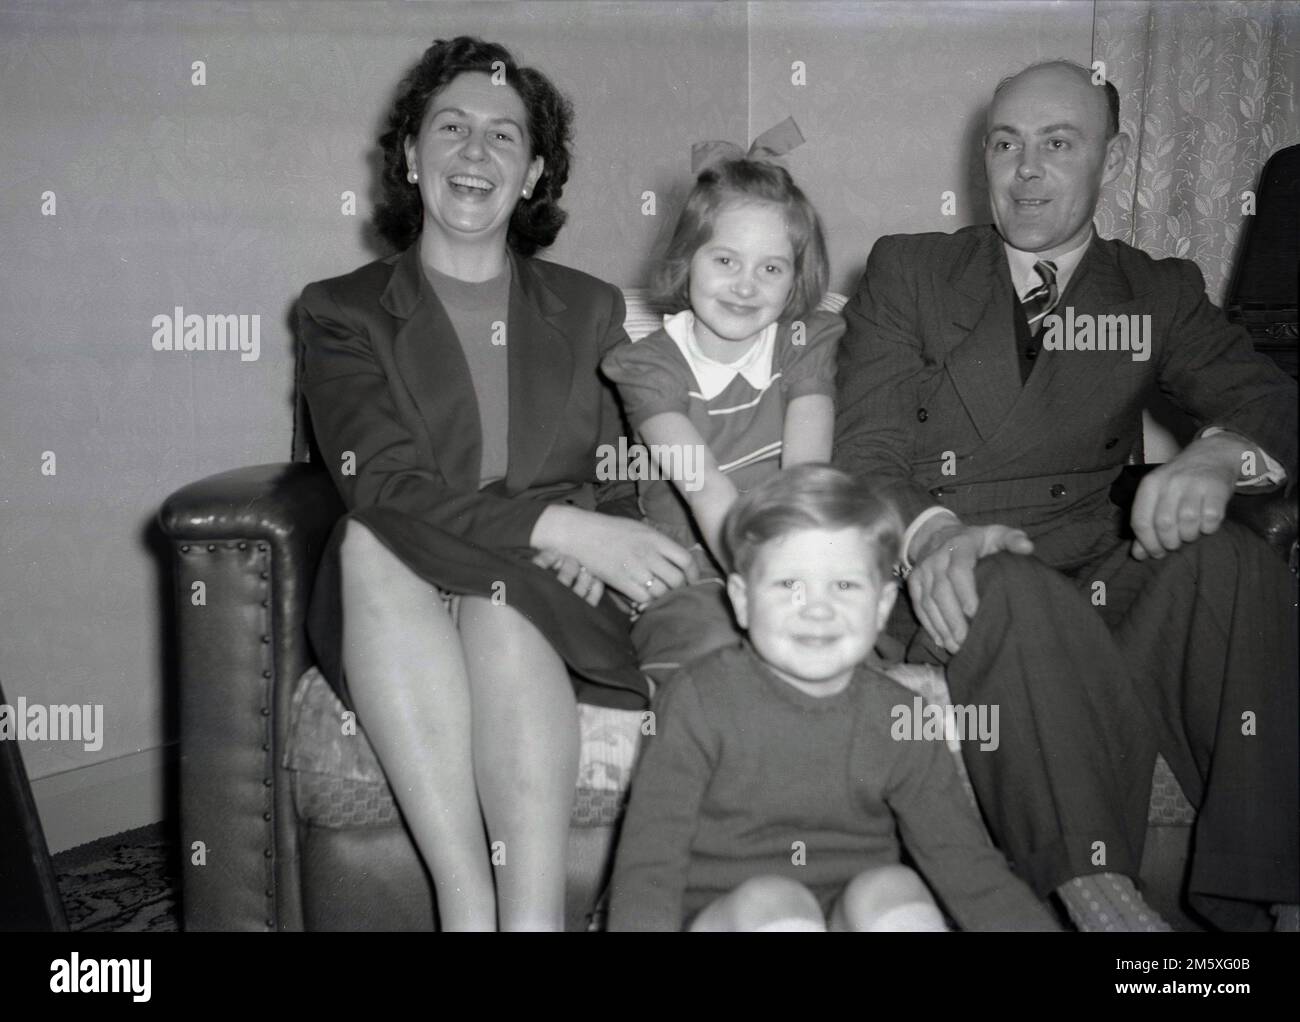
1207 94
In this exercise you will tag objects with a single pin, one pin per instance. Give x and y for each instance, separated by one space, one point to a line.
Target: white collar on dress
714 377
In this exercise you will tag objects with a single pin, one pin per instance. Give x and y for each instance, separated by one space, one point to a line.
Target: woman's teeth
466 183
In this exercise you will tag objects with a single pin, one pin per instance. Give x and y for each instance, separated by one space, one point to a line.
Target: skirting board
104 798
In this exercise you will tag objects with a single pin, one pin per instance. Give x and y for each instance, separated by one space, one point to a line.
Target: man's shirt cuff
1273 475
915 527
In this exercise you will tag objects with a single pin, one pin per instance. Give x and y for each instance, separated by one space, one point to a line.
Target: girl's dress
739 410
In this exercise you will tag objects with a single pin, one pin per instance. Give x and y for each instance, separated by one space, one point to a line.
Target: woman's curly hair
537 220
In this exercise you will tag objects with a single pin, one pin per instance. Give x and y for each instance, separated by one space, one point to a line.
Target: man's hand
572 574
942 582
1187 496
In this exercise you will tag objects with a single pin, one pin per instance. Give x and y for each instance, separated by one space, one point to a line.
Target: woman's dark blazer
396 420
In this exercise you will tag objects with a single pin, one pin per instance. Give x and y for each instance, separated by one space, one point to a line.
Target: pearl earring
412 175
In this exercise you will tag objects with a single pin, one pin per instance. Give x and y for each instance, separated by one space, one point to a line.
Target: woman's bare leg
406 672
525 759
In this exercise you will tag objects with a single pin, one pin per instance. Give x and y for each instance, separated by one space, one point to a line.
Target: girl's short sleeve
651 375
809 368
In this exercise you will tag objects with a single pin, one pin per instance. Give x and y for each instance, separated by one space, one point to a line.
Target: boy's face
813 604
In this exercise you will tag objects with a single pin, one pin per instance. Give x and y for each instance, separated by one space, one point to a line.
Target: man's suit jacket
396 420
931 403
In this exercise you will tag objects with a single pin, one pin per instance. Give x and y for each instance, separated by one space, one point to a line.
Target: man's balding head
1107 89
1051 142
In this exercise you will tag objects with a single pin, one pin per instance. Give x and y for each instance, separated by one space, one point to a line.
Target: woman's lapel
541 371
433 370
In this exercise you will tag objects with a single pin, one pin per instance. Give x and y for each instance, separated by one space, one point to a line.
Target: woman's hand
572 574
626 555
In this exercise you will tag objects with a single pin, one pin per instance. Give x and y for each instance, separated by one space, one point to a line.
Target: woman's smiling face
473 156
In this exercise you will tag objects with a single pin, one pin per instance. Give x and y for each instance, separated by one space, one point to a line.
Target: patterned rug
127 881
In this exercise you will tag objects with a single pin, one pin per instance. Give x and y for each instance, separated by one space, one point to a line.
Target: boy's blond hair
812 496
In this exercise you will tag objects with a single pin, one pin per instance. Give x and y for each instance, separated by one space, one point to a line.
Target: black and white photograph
641 465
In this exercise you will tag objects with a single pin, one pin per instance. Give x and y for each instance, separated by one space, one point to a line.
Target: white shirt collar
1024 278
714 377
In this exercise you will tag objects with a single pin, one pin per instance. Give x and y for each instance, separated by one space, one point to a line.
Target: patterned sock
1108 902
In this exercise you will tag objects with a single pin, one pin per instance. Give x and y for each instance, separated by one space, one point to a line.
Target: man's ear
1116 156
739 594
885 602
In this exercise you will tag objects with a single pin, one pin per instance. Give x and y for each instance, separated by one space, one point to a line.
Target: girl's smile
741 279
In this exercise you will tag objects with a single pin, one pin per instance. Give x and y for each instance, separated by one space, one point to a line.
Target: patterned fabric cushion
338 783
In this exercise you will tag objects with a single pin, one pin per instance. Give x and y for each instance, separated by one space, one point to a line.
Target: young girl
735 386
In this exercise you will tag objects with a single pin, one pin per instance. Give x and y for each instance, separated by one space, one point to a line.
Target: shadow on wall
158 549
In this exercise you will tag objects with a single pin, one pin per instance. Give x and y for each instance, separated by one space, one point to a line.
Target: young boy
769 796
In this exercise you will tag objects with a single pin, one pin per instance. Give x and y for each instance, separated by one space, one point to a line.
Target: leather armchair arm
252 537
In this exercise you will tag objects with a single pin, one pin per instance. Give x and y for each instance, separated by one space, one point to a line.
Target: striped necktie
1042 299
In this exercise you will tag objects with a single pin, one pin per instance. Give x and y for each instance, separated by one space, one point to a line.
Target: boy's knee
878 889
886 899
762 901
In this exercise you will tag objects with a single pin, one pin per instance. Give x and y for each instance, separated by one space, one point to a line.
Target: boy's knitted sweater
747 776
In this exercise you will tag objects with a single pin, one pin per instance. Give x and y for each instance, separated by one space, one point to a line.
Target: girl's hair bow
776 141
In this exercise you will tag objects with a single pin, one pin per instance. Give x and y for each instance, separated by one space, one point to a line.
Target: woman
455 398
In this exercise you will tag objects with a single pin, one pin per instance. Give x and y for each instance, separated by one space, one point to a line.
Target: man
982 381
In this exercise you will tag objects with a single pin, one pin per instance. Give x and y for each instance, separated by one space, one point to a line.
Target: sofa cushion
338 782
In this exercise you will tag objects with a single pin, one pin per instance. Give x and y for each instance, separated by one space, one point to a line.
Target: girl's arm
695 473
809 430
